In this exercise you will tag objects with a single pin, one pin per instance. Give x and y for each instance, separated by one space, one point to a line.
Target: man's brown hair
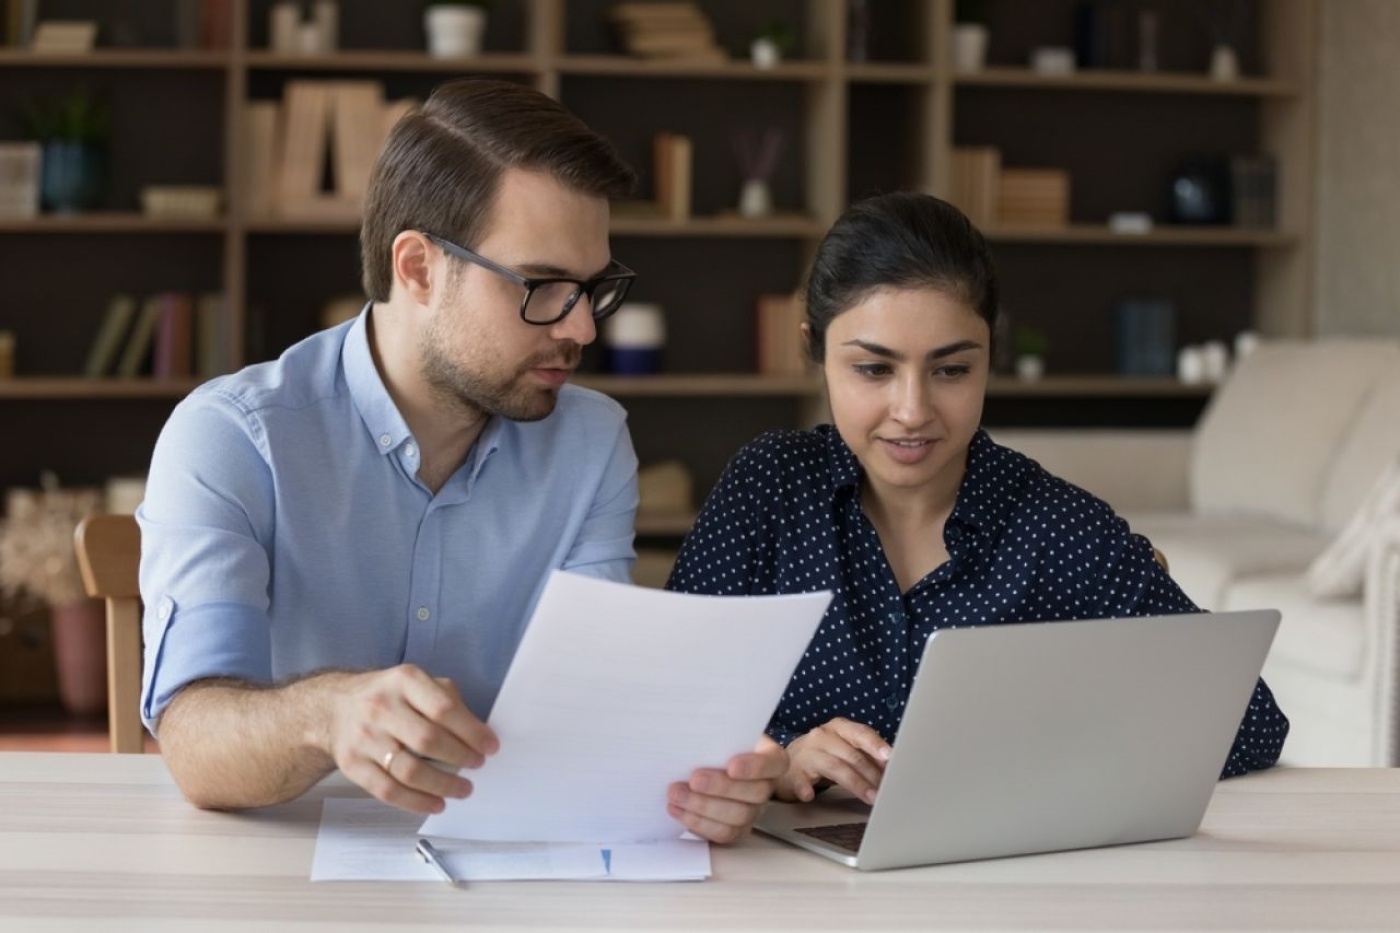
440 168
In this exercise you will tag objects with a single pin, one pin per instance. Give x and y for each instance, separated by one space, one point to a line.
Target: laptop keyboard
842 835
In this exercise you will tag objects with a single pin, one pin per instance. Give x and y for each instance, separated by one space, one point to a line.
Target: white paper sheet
617 691
364 840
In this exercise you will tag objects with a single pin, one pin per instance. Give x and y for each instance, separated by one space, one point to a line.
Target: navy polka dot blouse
1023 546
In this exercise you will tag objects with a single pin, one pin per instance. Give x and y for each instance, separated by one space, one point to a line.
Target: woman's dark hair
901 240
441 166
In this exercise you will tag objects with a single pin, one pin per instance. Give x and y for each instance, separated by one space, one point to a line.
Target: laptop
1040 737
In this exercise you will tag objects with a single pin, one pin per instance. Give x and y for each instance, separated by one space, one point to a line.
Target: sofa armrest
1382 596
1133 470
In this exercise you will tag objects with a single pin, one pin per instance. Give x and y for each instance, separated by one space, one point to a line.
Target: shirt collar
991 469
382 419
845 468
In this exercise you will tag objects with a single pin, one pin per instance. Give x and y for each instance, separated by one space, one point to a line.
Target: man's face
475 351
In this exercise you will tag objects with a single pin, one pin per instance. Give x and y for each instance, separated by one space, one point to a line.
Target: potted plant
37 559
1029 347
72 130
455 27
970 36
773 43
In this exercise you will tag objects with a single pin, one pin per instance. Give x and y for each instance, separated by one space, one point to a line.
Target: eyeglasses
549 300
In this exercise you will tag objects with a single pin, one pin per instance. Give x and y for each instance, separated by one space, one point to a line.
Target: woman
904 508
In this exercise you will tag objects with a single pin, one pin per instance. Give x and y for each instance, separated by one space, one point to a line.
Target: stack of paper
615 693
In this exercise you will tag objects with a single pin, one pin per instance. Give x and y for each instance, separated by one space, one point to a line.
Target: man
341 548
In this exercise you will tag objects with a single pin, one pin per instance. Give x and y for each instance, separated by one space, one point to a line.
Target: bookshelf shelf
733 69
37 387
1096 386
391 61
703 385
1127 81
1162 235
180 59
889 73
112 222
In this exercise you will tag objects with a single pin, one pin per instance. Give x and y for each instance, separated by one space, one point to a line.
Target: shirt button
167 606
385 440
892 702
423 613
410 451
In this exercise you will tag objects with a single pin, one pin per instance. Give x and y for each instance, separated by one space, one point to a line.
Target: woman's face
906 371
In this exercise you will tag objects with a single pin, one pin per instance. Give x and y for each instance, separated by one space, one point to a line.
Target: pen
429 853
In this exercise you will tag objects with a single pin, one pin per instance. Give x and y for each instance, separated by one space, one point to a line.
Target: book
213 336
174 338
672 154
357 133
102 356
305 130
260 156
138 343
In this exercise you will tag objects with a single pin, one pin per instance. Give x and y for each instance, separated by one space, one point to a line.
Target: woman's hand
840 752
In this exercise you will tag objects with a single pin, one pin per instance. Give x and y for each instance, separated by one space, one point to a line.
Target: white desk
104 842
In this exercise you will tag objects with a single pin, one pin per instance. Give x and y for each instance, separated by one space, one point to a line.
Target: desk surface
91 842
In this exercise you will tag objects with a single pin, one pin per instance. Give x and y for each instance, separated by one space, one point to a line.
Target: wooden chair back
109 555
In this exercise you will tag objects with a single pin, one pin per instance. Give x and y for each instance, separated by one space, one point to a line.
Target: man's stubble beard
475 392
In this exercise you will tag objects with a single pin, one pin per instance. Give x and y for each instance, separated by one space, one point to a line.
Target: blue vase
72 176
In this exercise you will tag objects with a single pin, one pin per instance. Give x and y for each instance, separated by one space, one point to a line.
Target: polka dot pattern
1023 546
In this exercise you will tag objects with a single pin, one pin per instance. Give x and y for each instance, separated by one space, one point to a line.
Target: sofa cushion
1325 637
1267 441
1338 572
1207 553
1372 442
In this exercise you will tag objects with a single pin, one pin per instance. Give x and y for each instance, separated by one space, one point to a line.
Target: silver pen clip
429 853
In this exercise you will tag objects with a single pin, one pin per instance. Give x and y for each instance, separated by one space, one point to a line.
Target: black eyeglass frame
621 274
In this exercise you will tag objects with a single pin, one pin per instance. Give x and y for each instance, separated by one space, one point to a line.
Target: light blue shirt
285 531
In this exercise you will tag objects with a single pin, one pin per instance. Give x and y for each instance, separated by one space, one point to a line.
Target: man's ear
415 270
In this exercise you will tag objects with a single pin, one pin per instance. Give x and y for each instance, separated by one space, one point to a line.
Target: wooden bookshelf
850 128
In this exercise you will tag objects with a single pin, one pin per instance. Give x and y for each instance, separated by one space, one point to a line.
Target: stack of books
975 183
1033 197
665 30
169 335
320 129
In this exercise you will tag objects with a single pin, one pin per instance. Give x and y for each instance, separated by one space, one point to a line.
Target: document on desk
364 840
617 691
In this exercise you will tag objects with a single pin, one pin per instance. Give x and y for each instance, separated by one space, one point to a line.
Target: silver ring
387 761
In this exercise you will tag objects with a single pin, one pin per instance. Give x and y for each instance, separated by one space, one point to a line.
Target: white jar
454 31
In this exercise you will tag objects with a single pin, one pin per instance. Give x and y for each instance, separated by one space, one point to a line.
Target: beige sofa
1285 495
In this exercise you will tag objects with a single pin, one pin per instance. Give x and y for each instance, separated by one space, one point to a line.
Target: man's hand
843 752
385 723
721 806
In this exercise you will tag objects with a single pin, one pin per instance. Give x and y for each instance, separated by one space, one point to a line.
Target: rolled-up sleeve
206 526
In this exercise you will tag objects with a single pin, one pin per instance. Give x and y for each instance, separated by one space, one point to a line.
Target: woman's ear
412 258
806 330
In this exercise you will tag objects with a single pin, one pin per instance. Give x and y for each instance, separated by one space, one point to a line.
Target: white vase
755 199
454 31
765 53
1029 368
970 46
1224 63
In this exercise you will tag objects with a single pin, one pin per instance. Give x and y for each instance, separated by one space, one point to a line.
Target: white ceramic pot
1029 368
755 199
765 53
454 31
970 46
